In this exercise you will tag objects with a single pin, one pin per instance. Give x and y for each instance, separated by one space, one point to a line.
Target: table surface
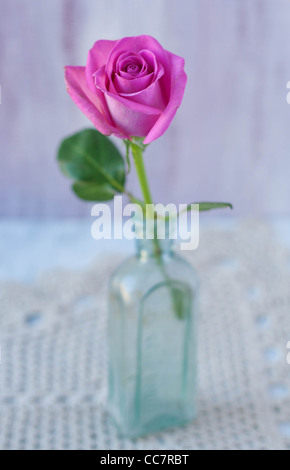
28 248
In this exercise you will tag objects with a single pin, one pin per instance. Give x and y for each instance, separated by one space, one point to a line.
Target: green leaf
207 206
90 191
178 301
90 157
127 143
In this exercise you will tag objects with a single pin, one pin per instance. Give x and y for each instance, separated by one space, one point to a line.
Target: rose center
133 68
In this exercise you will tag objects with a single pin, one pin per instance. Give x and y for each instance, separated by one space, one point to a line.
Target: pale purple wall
229 141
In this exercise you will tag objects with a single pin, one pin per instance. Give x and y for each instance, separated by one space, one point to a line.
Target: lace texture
53 380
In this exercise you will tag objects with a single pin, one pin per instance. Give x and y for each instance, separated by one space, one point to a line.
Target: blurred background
230 139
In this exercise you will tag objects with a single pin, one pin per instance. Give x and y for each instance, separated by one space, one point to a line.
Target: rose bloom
130 87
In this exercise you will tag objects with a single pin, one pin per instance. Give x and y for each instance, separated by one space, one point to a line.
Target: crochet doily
53 380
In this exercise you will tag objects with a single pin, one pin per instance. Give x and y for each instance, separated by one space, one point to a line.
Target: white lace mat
53 353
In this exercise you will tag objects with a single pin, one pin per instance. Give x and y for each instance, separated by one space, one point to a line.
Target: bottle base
157 424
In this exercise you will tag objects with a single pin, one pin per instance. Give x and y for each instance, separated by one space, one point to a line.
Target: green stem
141 173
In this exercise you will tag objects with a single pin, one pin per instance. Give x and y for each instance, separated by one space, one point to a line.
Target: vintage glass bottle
152 340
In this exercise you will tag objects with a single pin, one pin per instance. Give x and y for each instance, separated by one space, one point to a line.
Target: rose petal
177 85
123 63
97 58
130 120
130 76
133 118
150 60
122 85
100 77
153 94
139 44
120 60
93 105
139 90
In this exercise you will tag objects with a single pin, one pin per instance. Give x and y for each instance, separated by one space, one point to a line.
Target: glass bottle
152 340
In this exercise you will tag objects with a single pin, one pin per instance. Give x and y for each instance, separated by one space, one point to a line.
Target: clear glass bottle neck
147 248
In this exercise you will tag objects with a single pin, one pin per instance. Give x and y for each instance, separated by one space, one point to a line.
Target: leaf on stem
207 206
127 143
95 164
90 191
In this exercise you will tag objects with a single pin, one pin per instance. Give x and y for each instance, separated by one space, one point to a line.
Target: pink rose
130 87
